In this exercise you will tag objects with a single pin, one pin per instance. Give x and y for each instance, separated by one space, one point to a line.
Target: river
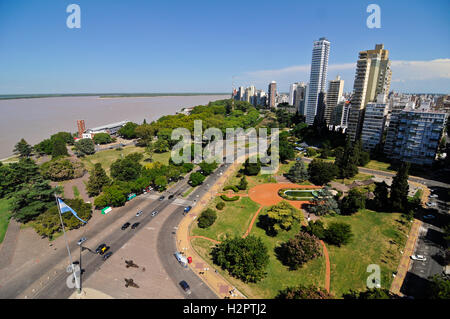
36 119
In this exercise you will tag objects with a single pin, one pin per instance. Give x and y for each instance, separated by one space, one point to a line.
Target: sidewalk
405 260
219 285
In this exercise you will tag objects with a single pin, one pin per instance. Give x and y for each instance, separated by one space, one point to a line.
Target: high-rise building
334 95
300 97
292 89
321 105
272 94
318 77
373 77
339 116
374 123
414 136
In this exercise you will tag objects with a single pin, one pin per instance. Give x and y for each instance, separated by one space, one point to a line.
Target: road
91 262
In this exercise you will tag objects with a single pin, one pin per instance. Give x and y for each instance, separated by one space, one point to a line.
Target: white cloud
418 74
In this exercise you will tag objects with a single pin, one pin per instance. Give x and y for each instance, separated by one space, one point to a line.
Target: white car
431 204
434 196
82 240
154 213
418 257
139 213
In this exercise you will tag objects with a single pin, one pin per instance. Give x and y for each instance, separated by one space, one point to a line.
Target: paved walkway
8 247
405 260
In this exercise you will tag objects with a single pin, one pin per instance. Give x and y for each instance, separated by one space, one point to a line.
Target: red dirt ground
267 194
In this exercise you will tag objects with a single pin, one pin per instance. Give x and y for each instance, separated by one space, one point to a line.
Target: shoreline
102 95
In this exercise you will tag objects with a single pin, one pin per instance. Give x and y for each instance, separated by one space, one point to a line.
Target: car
185 286
82 240
187 209
418 257
161 198
170 196
99 248
154 213
434 196
139 213
125 226
135 225
107 255
103 250
429 217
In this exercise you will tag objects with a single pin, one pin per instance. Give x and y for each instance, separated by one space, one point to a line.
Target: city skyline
113 52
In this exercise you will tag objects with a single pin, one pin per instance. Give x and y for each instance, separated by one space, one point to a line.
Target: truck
131 196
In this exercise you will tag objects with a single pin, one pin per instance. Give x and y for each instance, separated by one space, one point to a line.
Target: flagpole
67 245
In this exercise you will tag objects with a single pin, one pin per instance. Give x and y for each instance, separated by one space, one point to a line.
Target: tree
85 146
207 168
324 203
220 205
439 287
45 147
372 293
113 195
196 179
286 150
65 136
145 133
338 234
97 180
381 196
14 175
128 131
161 146
252 169
102 138
399 189
321 172
281 216
48 223
347 160
351 203
207 218
59 147
244 258
316 228
243 184
304 292
161 182
58 170
128 168
298 172
23 148
299 250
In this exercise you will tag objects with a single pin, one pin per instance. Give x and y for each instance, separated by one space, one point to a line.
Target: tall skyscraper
272 94
318 77
373 77
292 89
334 95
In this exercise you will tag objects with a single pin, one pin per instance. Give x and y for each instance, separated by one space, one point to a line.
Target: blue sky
198 46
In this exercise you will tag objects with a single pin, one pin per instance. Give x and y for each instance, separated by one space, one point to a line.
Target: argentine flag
64 209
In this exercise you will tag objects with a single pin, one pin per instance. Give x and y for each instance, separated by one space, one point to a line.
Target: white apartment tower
318 77
334 95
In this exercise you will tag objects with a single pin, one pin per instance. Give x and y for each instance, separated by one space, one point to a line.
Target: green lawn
380 166
234 219
278 276
106 158
76 192
378 239
188 191
5 214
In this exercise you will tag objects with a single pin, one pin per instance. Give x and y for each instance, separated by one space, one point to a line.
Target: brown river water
37 118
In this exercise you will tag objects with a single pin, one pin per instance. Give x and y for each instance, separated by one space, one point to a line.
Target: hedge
229 199
232 187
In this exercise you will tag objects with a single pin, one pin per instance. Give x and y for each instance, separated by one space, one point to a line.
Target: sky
151 46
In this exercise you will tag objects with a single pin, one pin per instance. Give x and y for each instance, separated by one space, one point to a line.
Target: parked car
170 196
139 213
187 209
434 196
185 286
154 213
161 198
103 250
99 248
82 240
429 217
418 257
125 226
135 225
107 255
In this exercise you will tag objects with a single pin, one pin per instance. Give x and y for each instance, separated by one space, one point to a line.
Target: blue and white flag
64 209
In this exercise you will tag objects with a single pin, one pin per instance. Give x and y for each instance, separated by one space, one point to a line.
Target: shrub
338 234
299 250
229 199
231 187
207 218
220 205
316 228
304 292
